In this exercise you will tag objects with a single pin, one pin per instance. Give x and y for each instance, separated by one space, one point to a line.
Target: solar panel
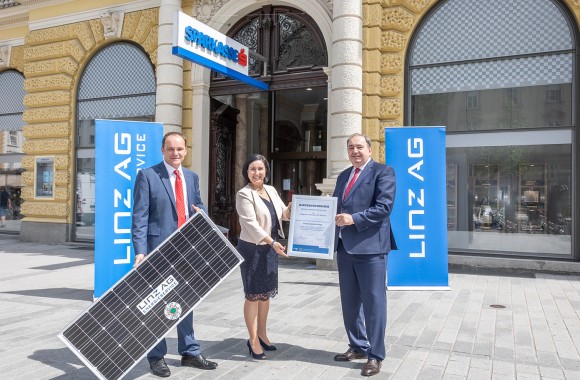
122 326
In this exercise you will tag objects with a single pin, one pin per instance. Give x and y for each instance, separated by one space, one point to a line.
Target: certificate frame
312 227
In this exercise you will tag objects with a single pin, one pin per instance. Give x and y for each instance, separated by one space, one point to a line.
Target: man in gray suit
159 208
366 193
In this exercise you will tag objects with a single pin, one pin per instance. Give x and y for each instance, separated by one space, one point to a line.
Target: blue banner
419 218
122 148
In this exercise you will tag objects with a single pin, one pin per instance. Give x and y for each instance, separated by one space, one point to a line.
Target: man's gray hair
367 139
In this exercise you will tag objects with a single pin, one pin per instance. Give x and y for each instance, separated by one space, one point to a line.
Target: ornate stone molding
329 5
206 9
112 23
5 55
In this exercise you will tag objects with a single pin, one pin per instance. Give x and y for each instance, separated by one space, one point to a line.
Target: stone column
345 93
328 183
199 131
169 71
345 87
264 133
241 138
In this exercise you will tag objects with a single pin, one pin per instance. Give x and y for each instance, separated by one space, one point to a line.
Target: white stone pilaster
344 95
200 135
241 138
169 96
346 91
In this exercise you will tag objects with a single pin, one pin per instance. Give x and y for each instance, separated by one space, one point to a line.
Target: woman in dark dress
261 212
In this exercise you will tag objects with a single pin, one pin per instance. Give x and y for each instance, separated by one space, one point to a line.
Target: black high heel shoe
266 347
261 356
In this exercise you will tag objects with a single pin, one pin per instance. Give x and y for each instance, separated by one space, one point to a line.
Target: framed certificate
312 227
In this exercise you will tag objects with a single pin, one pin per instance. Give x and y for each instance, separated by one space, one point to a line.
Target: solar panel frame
190 263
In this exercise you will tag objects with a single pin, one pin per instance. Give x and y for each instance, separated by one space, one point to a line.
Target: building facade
506 91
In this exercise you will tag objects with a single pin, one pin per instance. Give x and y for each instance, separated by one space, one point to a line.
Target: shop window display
507 105
515 204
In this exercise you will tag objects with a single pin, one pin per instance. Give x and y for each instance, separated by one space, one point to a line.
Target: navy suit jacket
370 202
154 210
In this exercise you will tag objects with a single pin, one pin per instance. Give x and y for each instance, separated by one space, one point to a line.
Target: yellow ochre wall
52 61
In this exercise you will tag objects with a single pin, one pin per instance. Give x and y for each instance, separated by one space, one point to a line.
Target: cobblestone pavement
487 326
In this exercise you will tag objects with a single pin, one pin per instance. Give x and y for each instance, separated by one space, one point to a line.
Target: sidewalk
456 334
12 227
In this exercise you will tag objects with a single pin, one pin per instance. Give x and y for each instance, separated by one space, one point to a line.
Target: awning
12 180
8 158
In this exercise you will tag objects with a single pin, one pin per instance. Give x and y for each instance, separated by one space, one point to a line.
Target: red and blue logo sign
197 42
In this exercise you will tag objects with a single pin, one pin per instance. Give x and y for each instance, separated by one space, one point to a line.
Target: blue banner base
434 288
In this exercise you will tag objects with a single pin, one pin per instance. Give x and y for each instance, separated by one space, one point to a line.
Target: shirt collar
363 166
171 169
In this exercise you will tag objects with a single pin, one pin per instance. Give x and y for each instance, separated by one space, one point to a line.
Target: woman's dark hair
249 160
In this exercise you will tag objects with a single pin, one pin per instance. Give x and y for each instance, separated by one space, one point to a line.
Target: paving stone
451 334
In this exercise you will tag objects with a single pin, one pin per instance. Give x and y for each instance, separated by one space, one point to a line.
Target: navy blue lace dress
260 266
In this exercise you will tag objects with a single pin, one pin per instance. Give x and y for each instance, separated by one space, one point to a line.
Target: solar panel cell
140 309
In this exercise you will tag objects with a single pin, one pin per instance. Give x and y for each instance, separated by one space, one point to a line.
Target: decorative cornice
93 14
13 41
18 15
206 9
13 21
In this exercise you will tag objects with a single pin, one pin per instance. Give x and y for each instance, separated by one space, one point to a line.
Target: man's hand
343 220
138 259
195 207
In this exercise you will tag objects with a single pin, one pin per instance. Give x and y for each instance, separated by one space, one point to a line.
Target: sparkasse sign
197 42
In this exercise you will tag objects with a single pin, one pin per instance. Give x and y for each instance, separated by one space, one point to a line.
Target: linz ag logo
157 295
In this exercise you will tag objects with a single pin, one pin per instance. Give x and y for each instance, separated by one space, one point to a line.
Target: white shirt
172 177
347 182
352 174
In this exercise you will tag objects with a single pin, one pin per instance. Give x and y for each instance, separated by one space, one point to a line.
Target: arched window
118 83
11 137
286 37
11 106
499 75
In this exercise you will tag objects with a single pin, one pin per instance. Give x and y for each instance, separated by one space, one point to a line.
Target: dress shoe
267 347
198 362
159 368
372 367
349 355
261 356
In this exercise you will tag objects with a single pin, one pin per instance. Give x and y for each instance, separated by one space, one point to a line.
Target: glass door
298 141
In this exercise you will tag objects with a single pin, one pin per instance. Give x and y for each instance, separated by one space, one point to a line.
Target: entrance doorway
288 123
222 194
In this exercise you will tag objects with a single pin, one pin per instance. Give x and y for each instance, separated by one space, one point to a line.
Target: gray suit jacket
154 210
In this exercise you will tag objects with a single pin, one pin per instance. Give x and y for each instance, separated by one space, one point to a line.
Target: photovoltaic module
123 325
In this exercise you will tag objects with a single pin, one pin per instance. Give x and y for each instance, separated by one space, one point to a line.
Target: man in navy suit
155 217
366 193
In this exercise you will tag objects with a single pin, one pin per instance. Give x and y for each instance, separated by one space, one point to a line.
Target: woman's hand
279 249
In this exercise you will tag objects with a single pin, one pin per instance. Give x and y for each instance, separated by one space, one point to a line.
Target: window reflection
515 199
503 108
